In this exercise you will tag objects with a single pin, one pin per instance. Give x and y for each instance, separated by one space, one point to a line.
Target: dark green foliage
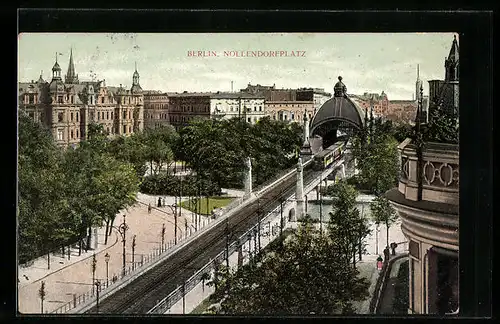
217 150
383 213
346 227
169 185
442 127
377 157
306 276
62 193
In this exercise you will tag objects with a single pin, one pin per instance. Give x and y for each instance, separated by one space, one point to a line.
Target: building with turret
68 107
427 200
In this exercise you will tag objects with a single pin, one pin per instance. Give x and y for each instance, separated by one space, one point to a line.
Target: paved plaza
67 278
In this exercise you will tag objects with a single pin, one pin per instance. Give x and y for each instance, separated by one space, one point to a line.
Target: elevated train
328 156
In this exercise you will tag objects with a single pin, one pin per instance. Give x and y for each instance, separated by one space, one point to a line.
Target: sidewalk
68 277
388 295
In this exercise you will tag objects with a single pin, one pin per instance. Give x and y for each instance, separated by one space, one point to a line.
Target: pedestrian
386 254
149 208
159 201
379 263
394 245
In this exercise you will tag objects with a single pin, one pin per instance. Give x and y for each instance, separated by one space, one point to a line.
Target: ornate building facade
292 111
156 105
246 106
427 199
68 107
186 106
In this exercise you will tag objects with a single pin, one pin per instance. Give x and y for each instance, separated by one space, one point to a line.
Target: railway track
142 294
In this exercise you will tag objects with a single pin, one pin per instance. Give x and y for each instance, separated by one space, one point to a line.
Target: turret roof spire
453 56
71 76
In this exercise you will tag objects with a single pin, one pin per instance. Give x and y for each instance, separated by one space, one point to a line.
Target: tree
442 127
346 228
317 281
42 204
383 212
377 157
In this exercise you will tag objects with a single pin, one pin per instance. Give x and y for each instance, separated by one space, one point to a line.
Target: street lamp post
162 236
94 266
123 231
173 208
133 252
98 286
106 258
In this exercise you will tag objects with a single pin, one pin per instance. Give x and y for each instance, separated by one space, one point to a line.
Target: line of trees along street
64 193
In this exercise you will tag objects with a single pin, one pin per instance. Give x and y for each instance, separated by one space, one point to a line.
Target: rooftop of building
235 95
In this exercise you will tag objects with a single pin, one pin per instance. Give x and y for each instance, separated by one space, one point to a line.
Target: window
255 108
293 116
124 129
71 116
124 114
98 115
260 108
72 134
249 119
77 133
107 115
130 129
60 117
77 116
31 99
111 115
60 99
72 99
60 135
102 99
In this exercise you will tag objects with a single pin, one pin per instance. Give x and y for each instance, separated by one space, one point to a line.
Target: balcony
434 217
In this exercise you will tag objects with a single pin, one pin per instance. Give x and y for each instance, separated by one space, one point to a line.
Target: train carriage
328 156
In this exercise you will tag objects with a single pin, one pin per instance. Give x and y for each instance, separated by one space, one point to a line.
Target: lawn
213 202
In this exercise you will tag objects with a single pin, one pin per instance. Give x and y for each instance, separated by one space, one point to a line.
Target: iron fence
88 297
166 303
138 266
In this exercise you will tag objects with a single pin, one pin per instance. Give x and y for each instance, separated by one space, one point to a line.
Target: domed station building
427 198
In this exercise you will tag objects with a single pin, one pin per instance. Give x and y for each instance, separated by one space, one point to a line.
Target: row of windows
75 134
185 108
155 106
176 118
30 99
158 116
60 117
248 109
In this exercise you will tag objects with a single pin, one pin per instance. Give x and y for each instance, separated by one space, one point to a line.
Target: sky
367 62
